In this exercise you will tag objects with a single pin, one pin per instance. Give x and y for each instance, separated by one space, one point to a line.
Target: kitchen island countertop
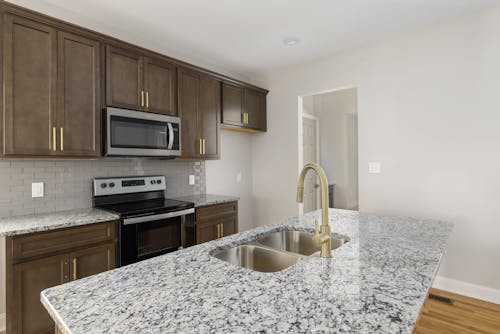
375 283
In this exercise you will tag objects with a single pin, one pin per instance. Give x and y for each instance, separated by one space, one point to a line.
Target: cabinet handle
142 98
147 99
62 139
54 139
74 269
201 146
218 231
221 230
204 148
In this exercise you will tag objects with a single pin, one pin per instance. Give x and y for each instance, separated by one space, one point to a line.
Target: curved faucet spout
325 227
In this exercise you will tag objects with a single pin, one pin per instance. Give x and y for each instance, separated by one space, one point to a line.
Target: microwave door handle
170 136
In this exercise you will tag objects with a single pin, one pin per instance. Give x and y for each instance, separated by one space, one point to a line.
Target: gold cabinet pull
204 147
218 231
74 269
201 146
221 230
54 139
245 118
62 139
142 98
147 99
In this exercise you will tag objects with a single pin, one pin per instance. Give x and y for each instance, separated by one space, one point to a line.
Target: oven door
136 133
148 236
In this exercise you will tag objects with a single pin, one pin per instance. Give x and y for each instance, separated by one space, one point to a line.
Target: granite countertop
11 226
375 283
207 199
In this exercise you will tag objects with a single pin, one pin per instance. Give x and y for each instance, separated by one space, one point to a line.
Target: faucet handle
316 227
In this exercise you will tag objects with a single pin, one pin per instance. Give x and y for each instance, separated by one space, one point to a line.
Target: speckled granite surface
50 221
207 199
376 283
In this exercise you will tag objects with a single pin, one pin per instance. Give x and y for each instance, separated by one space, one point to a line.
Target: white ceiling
246 36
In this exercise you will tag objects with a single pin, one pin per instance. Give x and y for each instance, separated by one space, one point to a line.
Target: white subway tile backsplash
68 183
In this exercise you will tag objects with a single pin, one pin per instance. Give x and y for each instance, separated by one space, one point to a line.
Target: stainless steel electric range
150 224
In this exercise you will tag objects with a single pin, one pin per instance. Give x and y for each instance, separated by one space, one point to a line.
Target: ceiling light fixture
291 41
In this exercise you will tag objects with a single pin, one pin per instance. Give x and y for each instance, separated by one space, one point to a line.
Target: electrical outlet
374 167
238 177
37 189
191 179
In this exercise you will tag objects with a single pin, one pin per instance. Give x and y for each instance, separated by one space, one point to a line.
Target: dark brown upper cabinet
78 117
30 74
232 104
243 108
254 109
139 82
52 91
199 110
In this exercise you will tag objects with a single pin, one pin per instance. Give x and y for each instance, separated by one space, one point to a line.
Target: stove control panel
128 184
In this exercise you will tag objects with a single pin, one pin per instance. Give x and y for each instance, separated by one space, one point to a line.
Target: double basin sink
275 251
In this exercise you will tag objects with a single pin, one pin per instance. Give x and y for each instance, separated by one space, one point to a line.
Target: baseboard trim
2 322
467 289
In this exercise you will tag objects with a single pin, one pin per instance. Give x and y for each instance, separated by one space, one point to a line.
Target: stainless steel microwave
130 133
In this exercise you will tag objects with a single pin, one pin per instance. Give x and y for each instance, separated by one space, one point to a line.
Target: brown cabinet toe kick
37 261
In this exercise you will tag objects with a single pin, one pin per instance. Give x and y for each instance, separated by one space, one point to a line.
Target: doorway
328 135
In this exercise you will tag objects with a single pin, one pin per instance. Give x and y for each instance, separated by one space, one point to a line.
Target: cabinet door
227 226
159 85
30 61
91 261
232 104
255 107
209 116
79 96
124 78
206 232
189 91
29 279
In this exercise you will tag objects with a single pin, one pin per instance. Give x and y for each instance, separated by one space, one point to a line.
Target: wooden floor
466 315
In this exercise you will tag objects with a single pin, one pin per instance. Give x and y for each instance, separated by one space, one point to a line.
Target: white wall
221 175
337 113
429 110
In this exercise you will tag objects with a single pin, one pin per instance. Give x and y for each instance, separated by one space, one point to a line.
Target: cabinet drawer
34 245
213 211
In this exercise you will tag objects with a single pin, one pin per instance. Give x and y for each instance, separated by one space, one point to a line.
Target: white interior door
310 152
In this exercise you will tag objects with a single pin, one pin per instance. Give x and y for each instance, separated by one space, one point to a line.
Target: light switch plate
238 177
191 179
37 189
374 167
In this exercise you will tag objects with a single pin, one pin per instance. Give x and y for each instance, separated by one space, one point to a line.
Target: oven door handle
170 136
145 219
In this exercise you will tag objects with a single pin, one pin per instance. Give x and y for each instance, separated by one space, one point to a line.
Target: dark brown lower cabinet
30 278
91 261
37 261
216 221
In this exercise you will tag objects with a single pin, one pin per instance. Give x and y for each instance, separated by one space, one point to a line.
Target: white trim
300 159
2 322
467 289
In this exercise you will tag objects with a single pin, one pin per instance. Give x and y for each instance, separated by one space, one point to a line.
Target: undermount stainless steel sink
298 241
257 258
275 251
